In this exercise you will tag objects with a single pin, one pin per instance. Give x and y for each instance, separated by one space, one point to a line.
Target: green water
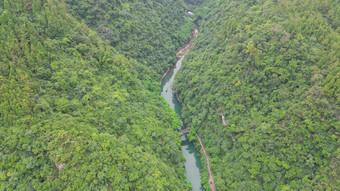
193 164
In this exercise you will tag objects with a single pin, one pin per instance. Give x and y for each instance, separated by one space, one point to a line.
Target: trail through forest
211 176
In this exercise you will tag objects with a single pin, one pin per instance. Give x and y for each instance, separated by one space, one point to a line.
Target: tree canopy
271 68
78 111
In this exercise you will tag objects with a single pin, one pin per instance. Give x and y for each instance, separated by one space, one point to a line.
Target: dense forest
261 86
79 104
149 31
79 94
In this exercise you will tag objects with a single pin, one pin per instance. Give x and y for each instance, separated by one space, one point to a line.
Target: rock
60 166
183 138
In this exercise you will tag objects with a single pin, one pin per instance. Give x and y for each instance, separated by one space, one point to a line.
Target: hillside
80 107
148 31
75 113
261 86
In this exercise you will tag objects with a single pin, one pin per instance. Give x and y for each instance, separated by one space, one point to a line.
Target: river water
192 165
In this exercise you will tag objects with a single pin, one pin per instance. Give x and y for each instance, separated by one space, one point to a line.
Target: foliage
272 69
149 31
75 114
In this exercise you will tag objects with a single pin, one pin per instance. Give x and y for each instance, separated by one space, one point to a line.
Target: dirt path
211 176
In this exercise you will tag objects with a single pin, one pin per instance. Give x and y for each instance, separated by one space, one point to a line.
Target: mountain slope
149 31
271 70
74 114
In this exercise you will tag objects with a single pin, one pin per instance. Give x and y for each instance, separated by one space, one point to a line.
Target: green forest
272 70
80 104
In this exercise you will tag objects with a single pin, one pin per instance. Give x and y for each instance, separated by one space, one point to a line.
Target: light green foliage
192 134
272 69
74 113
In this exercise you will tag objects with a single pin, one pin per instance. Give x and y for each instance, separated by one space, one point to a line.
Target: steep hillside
261 87
149 31
74 114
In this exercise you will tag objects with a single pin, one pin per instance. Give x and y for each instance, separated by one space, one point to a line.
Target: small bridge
184 131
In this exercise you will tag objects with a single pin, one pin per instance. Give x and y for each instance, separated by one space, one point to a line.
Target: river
192 165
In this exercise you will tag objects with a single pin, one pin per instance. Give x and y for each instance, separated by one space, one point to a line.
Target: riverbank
192 164
181 53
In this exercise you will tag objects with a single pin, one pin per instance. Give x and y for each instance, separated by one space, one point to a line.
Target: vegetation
80 106
272 69
149 31
75 113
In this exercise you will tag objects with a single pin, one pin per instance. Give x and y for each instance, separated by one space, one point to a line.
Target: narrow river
193 165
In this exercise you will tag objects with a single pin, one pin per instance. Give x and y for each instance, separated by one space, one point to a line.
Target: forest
148 31
271 69
80 104
79 96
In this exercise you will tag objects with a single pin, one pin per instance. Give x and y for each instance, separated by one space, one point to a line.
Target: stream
193 164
